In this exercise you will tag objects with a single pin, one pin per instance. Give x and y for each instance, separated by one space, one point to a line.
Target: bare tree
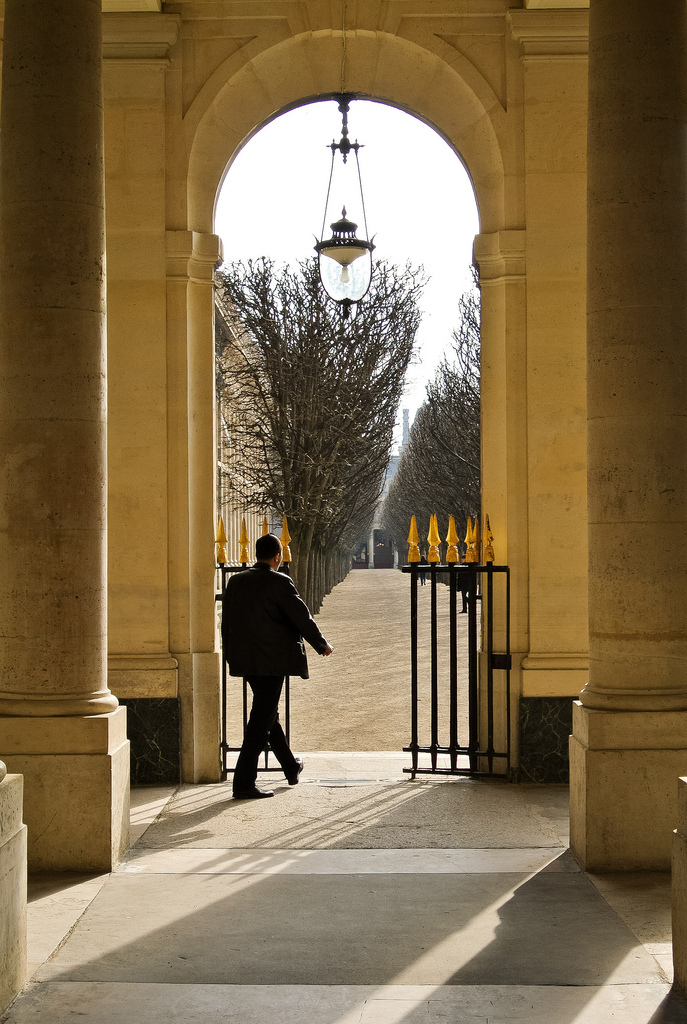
314 400
439 471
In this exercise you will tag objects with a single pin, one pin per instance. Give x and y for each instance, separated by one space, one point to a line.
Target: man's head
268 549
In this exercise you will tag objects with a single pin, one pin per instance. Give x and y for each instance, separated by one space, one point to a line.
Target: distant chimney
406 428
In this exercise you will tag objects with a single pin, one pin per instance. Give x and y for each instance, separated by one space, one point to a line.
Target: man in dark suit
264 622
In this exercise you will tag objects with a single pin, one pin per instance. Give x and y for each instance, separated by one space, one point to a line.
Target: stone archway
380 67
472 87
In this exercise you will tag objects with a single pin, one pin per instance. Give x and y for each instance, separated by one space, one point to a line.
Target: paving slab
108 1003
345 862
547 928
56 901
457 813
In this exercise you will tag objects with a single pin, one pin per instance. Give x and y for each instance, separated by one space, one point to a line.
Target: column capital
551 34
193 254
110 6
139 37
500 255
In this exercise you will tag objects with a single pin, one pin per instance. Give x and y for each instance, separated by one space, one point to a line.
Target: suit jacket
263 625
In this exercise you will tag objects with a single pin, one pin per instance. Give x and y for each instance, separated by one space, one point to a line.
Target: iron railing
478 755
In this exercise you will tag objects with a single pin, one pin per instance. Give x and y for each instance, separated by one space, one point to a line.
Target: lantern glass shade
346 276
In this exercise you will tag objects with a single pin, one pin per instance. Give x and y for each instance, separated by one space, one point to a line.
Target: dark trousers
263 726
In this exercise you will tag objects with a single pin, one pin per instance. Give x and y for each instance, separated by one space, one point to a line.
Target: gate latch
501 661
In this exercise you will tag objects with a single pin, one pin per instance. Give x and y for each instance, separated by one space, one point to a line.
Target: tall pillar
191 259
202 480
629 740
60 726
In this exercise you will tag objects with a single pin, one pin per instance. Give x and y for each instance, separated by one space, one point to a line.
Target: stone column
679 889
500 256
65 733
202 479
13 954
630 730
191 259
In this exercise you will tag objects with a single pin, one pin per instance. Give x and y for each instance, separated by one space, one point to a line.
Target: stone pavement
358 897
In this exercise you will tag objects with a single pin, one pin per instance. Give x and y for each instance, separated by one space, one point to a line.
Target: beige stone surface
90 734
56 901
643 900
637 433
116 1003
679 888
623 802
76 802
183 92
345 862
52 364
174 899
13 964
361 813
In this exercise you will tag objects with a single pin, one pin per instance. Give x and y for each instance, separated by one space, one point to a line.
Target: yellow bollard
488 542
434 540
221 542
265 527
452 541
413 541
472 555
285 541
244 541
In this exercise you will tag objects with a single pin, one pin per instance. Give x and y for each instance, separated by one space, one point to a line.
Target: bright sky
418 197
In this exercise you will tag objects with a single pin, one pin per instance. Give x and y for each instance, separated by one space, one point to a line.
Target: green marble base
154 733
545 727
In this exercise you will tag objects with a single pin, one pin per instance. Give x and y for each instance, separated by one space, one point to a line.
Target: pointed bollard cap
488 542
221 542
434 540
471 555
265 527
413 541
452 541
285 541
244 542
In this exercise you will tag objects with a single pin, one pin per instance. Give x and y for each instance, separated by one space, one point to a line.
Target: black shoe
252 794
292 779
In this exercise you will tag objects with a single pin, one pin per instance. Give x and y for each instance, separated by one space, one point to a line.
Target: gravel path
359 698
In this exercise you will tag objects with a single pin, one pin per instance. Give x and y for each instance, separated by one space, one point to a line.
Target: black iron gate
478 676
227 682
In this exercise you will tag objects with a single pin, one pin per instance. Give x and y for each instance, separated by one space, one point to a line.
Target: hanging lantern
345 260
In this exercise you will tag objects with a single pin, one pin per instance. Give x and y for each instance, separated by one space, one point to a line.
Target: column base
624 768
12 890
76 788
679 889
206 717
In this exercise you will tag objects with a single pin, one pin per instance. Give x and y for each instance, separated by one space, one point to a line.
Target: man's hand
327 651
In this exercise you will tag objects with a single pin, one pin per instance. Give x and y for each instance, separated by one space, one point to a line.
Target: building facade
583 388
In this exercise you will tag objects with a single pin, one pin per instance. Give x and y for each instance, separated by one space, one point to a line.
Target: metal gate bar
225 749
480 587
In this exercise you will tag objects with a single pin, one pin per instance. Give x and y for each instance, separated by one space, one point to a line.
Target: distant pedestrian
264 622
423 575
463 586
